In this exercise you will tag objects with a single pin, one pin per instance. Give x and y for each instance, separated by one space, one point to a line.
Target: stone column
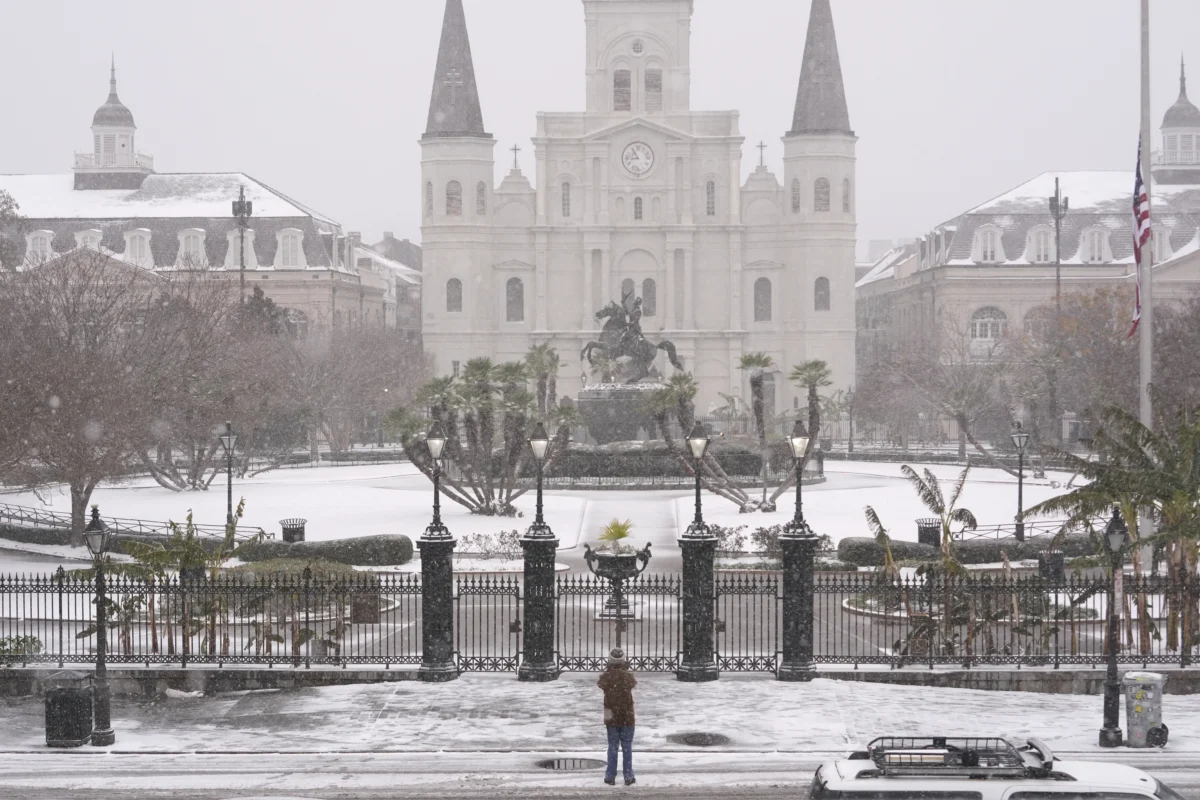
606 287
799 553
689 291
699 552
537 660
437 607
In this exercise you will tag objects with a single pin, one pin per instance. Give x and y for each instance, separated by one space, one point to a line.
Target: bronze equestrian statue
622 338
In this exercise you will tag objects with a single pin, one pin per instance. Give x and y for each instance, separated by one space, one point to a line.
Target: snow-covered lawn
836 507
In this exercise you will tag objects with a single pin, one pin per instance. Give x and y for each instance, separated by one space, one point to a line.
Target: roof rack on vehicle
959 756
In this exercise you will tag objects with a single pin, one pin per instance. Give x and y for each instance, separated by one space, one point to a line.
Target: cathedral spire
1182 79
454 108
821 98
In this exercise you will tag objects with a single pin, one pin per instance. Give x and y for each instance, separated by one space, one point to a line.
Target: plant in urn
618 563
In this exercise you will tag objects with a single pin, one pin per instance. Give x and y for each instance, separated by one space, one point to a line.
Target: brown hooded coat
617 683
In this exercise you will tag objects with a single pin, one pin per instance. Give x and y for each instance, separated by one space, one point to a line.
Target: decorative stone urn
617 568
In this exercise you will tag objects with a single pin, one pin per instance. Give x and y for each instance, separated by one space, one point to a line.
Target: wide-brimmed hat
617 658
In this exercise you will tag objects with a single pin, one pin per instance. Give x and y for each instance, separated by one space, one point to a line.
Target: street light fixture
539 445
1020 440
1116 533
798 442
698 442
435 440
96 536
229 442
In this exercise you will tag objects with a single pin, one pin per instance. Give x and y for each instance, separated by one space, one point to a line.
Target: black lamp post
1115 533
243 209
698 442
435 440
1020 439
850 412
798 442
228 441
96 537
539 445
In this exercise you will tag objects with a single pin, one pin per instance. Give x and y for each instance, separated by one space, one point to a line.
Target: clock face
638 158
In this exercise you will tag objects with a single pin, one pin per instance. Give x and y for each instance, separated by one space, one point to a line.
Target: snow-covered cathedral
642 196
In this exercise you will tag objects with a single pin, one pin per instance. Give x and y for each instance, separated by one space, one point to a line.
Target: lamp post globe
97 536
1020 440
698 442
1116 534
539 445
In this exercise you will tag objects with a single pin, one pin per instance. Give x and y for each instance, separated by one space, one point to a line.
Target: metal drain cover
698 739
572 764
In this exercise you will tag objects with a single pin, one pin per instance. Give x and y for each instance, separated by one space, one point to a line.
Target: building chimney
387 235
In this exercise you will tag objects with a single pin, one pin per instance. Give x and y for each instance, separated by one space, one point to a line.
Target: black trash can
293 529
1052 565
929 531
68 709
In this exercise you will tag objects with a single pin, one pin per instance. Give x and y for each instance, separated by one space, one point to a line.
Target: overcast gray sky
954 101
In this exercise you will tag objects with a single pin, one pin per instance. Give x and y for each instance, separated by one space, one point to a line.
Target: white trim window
39 247
191 248
1095 250
1160 245
988 247
989 324
1041 246
290 253
89 238
137 247
233 254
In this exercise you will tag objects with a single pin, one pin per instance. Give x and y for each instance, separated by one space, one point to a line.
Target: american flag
1141 235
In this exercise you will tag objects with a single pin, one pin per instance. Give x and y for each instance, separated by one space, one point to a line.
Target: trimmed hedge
294 566
35 535
644 460
865 552
363 551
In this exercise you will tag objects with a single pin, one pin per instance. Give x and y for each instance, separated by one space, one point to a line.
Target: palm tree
542 362
813 375
757 365
929 490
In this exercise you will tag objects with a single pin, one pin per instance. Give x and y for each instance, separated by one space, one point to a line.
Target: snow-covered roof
885 267
403 273
1095 192
161 196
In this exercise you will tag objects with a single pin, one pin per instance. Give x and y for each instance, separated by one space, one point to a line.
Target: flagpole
1146 325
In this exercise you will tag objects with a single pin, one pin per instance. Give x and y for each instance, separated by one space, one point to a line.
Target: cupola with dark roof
454 108
1183 114
114 162
821 97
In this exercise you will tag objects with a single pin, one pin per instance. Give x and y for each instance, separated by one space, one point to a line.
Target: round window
638 47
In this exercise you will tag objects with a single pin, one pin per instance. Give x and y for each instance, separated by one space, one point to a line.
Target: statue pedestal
615 412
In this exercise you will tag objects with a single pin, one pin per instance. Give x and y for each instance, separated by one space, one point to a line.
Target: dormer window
988 249
1160 245
236 251
1095 246
38 248
1041 246
89 238
137 247
191 248
290 254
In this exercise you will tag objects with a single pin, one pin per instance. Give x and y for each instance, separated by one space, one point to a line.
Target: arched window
989 246
1095 250
1160 245
514 300
845 195
429 199
566 199
622 90
1041 246
627 293
710 198
637 208
289 249
796 196
821 294
1039 321
821 195
649 297
39 246
762 300
989 324
654 90
481 198
454 296
453 199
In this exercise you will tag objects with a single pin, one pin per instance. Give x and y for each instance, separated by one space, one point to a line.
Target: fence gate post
699 548
437 606
537 659
799 553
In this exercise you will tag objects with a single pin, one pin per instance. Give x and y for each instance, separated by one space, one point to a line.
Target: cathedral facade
640 196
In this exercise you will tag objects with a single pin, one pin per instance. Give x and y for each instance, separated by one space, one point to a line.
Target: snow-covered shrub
362 551
505 545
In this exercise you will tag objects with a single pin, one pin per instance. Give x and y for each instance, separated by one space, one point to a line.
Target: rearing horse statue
622 338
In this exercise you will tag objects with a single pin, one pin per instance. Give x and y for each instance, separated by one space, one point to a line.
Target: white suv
961 768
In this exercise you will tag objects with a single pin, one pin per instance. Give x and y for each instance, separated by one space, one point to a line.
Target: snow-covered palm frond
965 517
959 485
927 496
935 486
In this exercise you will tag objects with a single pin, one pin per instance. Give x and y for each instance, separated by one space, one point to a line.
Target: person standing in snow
617 682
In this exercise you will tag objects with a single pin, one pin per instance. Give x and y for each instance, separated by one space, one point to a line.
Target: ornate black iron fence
487 624
589 623
748 621
868 618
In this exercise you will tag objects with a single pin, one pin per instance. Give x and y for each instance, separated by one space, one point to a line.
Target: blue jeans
623 735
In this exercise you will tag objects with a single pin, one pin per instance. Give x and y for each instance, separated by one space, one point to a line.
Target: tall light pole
1115 533
243 209
96 536
1020 439
228 441
1059 206
539 547
798 442
698 443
